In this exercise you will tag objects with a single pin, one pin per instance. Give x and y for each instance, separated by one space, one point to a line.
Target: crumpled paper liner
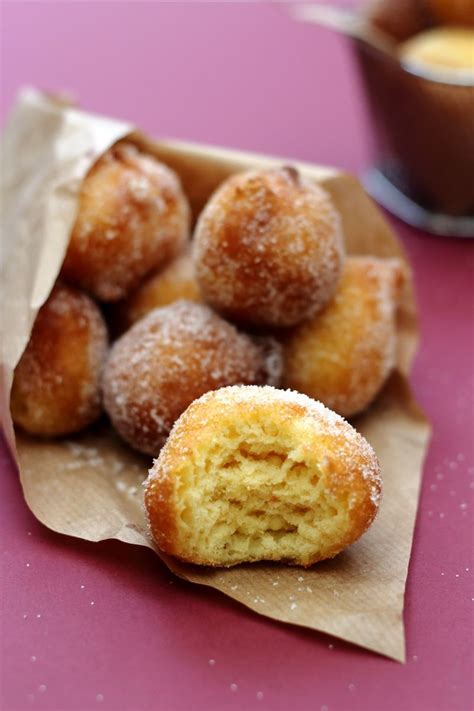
89 485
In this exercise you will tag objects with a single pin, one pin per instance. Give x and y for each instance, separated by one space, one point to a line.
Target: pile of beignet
263 296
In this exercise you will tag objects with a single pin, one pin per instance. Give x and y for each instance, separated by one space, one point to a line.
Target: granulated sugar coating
133 217
268 248
171 357
344 355
254 473
56 388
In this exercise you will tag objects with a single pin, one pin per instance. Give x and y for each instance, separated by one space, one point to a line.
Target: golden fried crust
343 356
170 357
453 12
133 217
268 248
175 281
56 387
347 480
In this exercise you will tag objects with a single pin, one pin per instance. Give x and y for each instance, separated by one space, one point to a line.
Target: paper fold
89 486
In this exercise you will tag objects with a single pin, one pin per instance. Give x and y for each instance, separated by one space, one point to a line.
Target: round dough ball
446 48
176 281
168 359
343 356
268 248
56 386
133 217
453 12
254 473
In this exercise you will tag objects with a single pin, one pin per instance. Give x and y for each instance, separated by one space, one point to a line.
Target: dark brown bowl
423 131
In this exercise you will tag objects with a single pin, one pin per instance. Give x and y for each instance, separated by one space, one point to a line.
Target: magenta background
245 76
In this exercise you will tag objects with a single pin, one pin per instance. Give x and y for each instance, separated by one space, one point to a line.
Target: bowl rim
448 77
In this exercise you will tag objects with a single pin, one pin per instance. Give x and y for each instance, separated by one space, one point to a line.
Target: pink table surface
88 626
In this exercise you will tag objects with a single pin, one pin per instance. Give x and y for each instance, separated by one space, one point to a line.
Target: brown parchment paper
89 486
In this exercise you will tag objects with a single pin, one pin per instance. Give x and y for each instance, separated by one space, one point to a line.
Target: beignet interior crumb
249 498
253 473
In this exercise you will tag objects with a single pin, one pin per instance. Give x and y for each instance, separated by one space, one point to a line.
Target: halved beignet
254 473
